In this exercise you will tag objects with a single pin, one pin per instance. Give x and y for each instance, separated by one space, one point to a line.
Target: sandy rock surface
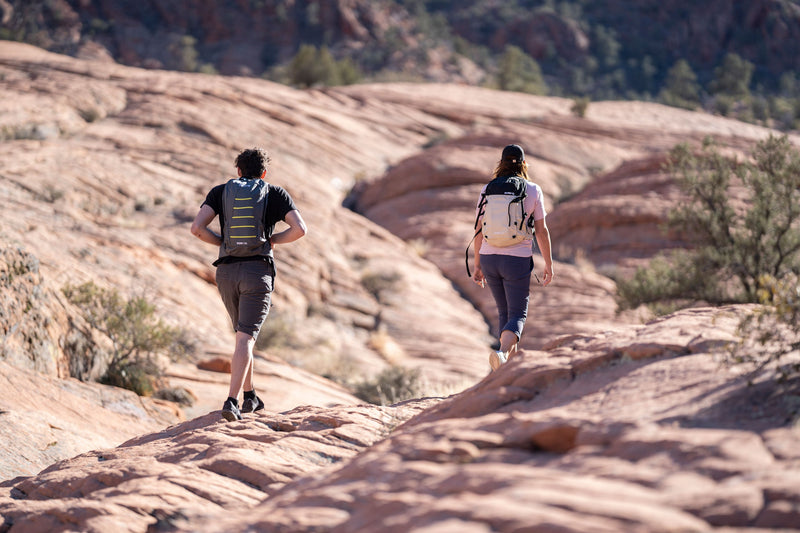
640 430
45 419
600 423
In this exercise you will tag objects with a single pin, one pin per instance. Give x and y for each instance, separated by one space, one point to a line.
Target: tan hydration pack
505 221
244 202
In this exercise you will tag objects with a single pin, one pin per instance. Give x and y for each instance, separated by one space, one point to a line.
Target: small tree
135 332
312 66
185 54
732 77
731 247
731 86
520 72
302 68
681 88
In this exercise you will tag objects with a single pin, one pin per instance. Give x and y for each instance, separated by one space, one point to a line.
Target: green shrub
681 88
178 395
772 332
517 71
278 331
135 332
138 375
579 107
394 384
312 66
732 243
377 283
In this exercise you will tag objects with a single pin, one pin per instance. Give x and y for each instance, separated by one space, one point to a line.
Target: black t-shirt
279 203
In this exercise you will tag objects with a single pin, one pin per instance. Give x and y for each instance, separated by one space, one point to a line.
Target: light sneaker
497 358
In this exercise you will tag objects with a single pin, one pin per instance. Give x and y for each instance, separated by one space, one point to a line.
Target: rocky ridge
639 430
104 166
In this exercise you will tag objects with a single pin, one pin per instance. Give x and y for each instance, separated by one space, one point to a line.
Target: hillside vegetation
734 58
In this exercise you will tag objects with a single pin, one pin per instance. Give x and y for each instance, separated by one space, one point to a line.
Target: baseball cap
513 153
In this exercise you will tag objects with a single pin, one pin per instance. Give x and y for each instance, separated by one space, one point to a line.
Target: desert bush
136 334
178 395
770 336
278 331
731 246
312 66
377 283
137 374
394 384
579 107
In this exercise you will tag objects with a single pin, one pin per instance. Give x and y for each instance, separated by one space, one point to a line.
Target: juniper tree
731 246
681 88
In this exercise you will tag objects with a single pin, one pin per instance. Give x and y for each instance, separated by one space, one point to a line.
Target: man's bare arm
297 228
200 226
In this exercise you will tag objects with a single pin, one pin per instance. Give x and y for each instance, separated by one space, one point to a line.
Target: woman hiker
510 205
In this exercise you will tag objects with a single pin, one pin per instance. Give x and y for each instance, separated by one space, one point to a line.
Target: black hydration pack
244 202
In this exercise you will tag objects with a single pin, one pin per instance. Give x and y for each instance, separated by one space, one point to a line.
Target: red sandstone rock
217 364
596 424
668 442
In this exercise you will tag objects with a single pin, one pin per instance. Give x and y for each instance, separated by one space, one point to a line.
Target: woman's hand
477 276
547 275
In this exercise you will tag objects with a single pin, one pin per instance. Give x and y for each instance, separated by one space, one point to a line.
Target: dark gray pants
245 288
509 279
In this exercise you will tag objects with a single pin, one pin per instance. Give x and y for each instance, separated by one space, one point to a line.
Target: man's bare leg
242 364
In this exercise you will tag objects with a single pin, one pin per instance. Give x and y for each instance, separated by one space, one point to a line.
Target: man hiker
248 208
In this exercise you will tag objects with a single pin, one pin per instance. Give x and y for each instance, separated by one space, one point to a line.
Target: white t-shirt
533 203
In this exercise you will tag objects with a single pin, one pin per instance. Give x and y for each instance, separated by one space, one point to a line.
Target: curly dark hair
252 162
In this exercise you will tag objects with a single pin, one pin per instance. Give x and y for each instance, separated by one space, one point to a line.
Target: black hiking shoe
251 405
230 411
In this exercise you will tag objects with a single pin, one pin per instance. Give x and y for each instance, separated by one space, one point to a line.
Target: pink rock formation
217 364
104 166
44 419
641 429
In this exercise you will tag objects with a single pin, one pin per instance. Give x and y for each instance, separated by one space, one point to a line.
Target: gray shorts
246 289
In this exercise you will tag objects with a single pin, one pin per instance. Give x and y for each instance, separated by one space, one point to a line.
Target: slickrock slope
45 419
641 430
107 165
104 166
606 192
110 164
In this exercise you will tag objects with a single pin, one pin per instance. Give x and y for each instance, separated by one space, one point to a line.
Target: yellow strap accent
248 198
246 207
245 216
243 236
236 227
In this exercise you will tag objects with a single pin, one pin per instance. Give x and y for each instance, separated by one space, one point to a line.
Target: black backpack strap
481 212
481 205
466 253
